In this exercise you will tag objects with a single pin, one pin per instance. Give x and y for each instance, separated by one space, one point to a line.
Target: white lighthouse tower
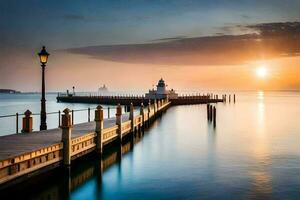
161 88
161 92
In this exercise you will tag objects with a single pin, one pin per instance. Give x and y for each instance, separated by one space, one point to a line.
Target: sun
261 72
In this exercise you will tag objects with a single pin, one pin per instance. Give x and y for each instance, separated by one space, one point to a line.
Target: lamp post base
43 127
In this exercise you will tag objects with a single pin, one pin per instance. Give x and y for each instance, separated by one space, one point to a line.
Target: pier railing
18 116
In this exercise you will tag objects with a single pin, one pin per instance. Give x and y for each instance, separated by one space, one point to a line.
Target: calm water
10 104
253 153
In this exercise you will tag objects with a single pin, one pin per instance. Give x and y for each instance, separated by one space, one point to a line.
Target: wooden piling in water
210 112
234 98
207 111
214 116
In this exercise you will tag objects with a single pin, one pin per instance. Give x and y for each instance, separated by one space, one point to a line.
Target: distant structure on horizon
103 90
161 92
9 91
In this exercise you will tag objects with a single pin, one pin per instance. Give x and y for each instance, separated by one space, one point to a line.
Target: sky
129 45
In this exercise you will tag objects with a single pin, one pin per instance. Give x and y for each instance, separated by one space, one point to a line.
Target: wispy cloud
169 39
275 39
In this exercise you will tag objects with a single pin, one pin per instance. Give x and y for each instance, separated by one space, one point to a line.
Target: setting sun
261 72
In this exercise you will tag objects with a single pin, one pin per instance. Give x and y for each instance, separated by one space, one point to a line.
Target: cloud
245 16
273 40
280 29
168 39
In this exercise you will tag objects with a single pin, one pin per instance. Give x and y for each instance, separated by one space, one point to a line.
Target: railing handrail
59 112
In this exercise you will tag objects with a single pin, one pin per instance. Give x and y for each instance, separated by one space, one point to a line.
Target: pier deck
22 155
16 144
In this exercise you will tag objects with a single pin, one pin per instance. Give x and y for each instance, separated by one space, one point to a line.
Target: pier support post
27 122
66 137
234 98
155 107
149 111
131 117
143 118
215 115
108 112
99 129
119 121
158 104
207 107
210 112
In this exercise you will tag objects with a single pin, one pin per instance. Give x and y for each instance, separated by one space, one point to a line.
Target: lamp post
43 55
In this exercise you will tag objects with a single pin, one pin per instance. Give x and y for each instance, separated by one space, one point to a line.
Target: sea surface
252 153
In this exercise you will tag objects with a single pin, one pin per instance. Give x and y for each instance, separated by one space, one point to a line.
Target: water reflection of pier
96 168
85 169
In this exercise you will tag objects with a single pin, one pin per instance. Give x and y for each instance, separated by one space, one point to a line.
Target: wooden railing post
89 114
27 122
131 117
99 128
58 118
17 123
149 111
142 113
66 126
72 117
119 121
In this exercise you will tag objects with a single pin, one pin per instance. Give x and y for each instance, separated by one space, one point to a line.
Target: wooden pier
27 154
137 100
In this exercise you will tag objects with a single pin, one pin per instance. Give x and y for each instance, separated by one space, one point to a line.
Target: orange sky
223 62
65 70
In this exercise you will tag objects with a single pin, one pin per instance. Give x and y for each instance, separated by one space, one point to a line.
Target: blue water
253 153
10 104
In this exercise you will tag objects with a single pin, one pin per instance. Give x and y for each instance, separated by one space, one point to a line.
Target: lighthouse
161 92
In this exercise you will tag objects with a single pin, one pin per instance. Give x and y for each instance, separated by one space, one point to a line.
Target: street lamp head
43 55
